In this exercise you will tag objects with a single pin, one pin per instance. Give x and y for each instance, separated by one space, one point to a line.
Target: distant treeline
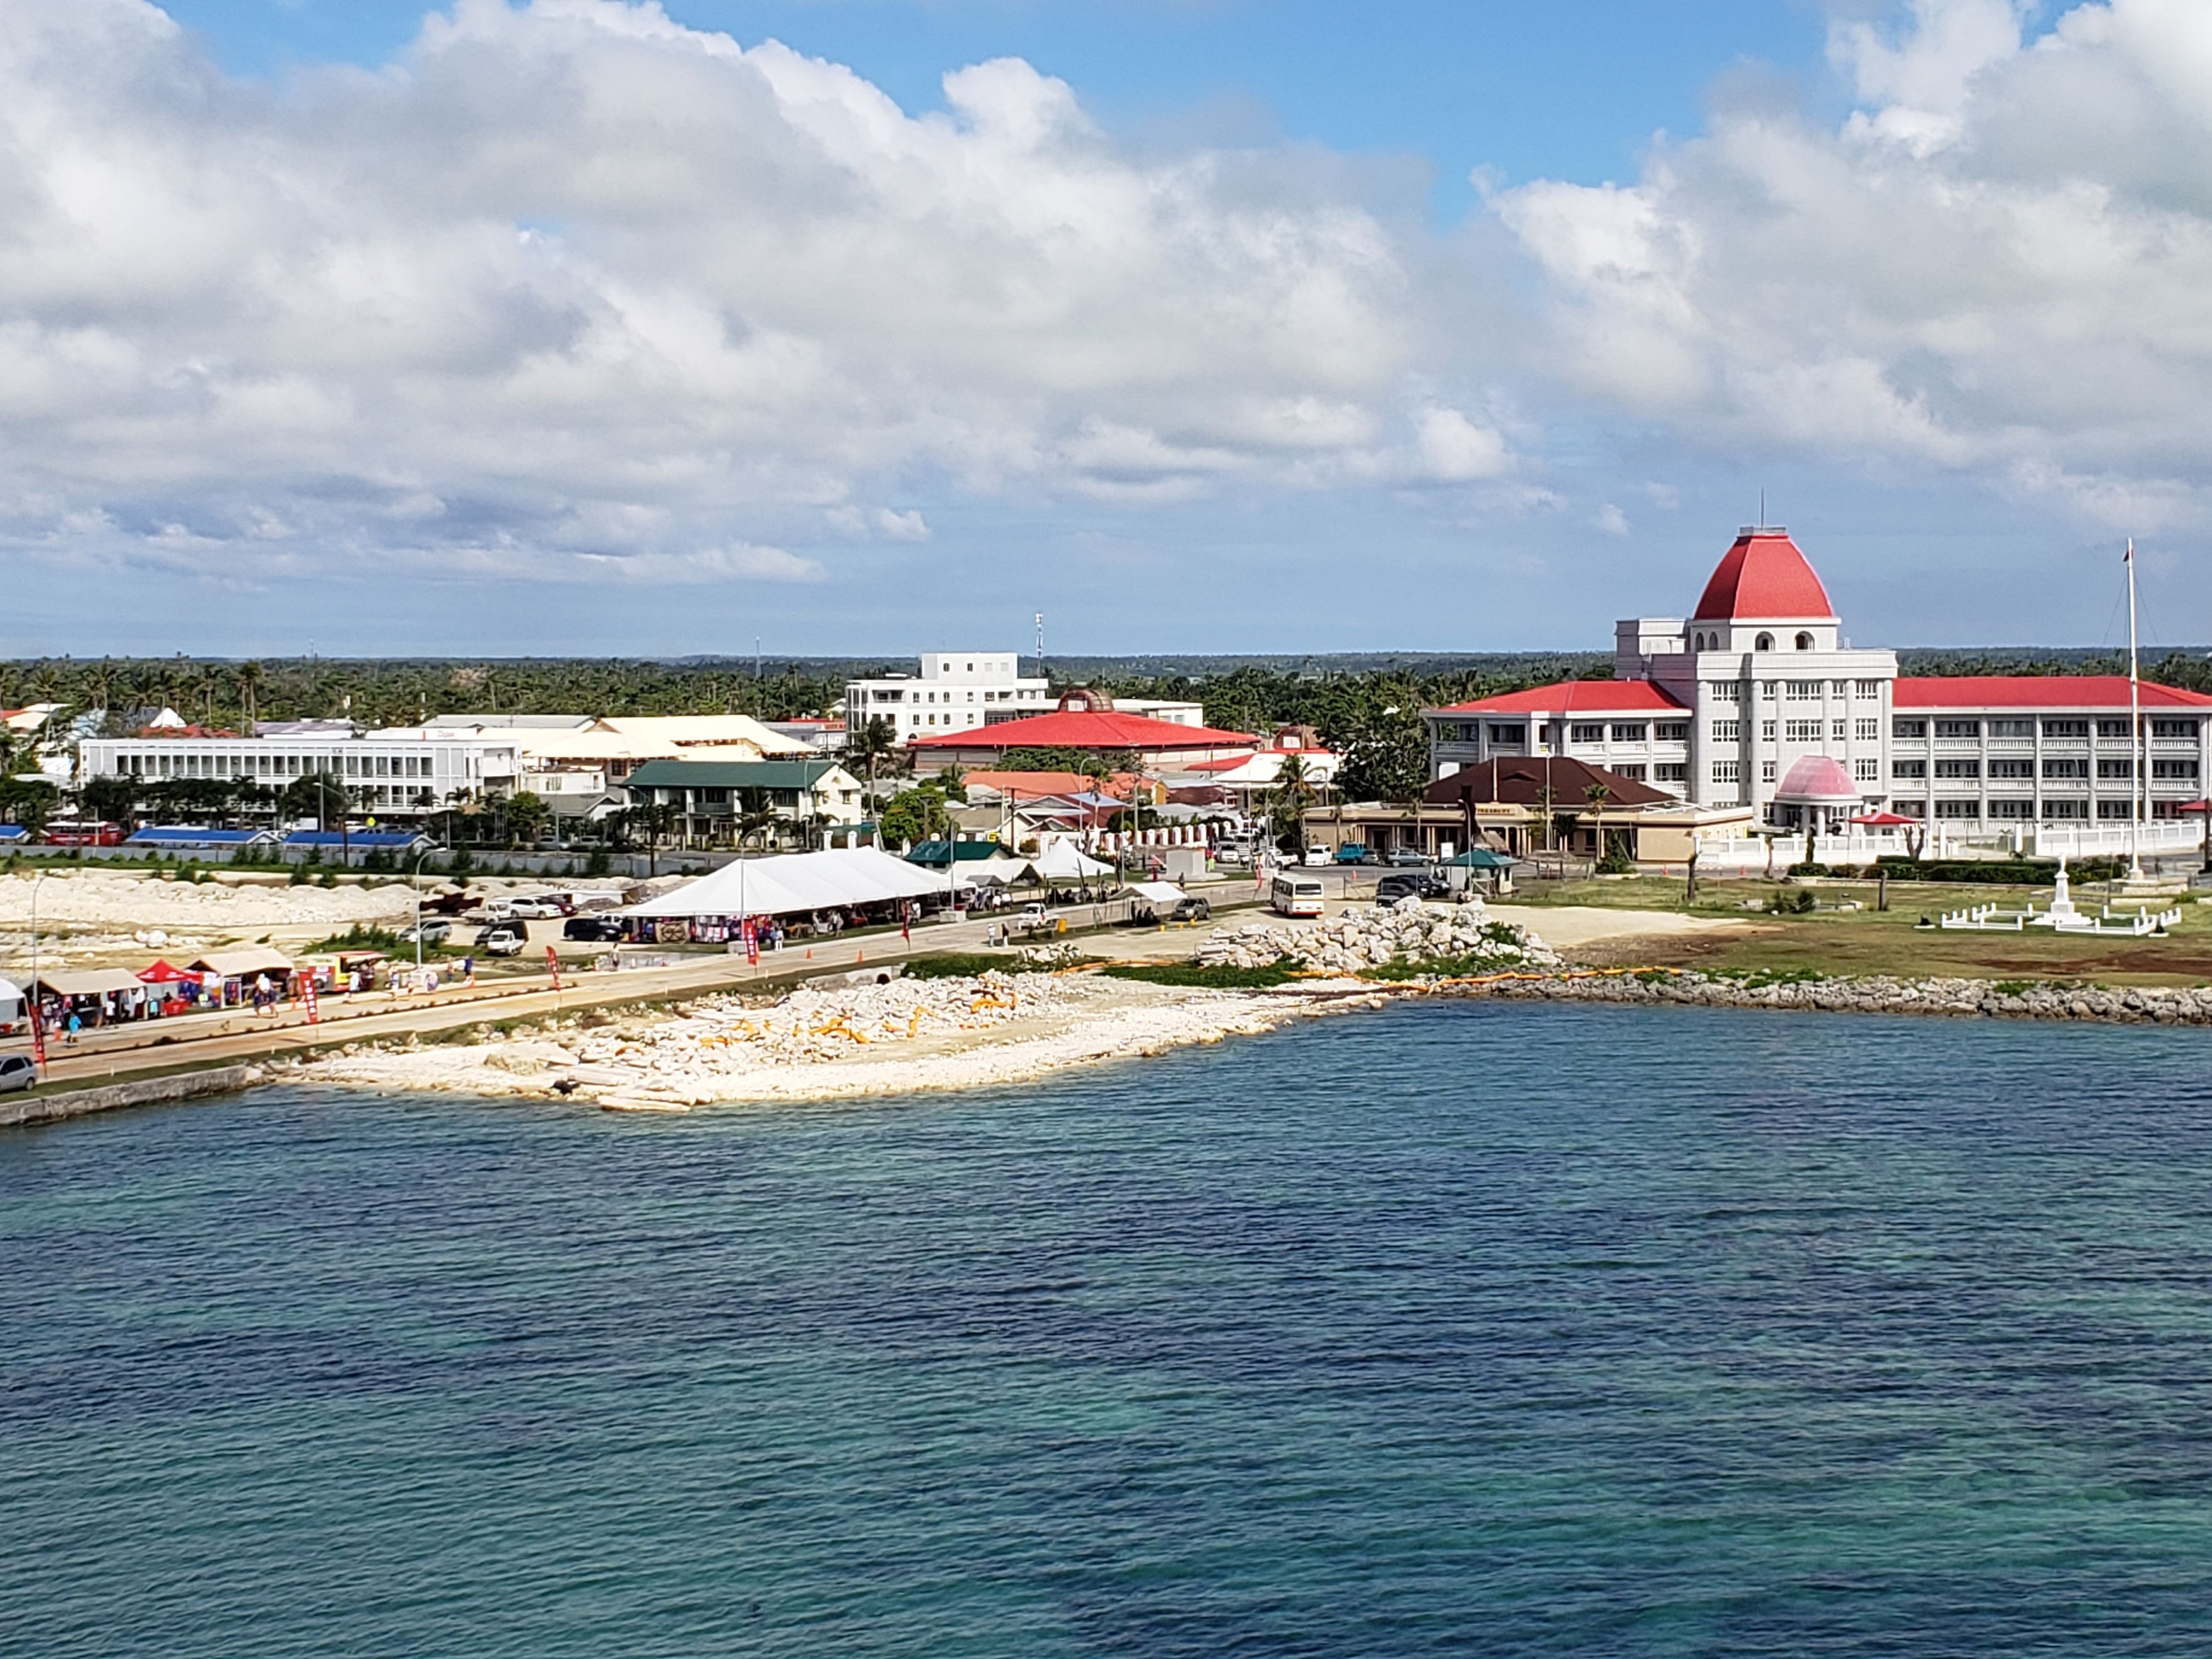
1365 706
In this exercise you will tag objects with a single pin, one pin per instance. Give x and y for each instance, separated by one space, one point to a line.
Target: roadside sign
307 996
752 945
553 967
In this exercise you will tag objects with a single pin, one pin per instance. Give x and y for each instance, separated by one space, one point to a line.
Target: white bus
1296 895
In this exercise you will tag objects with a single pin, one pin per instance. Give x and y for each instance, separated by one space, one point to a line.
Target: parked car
435 930
536 907
600 930
498 910
16 1072
1401 884
1406 857
1191 909
1352 852
503 939
1315 855
1231 857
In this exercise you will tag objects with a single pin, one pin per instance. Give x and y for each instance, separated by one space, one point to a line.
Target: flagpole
2135 730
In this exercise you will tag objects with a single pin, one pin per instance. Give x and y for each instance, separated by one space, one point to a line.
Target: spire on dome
1764 578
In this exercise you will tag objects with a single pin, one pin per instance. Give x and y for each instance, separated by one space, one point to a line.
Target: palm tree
1294 792
873 739
756 812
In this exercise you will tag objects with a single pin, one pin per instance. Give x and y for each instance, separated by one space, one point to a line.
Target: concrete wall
52 1108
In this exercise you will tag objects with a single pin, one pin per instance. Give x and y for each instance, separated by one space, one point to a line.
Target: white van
1296 895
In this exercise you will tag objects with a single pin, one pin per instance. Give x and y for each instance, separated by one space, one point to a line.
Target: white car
1317 855
16 1072
535 907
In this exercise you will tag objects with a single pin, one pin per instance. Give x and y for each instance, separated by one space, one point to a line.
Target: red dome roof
1818 780
1764 578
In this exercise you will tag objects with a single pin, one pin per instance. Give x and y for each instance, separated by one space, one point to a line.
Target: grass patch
1466 967
1191 975
954 964
358 938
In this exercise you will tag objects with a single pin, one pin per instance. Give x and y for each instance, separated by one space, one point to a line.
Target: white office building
1717 707
954 691
401 775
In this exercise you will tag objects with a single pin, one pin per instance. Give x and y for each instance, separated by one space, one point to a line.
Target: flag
553 967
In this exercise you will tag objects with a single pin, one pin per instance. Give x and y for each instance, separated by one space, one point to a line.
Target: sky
877 326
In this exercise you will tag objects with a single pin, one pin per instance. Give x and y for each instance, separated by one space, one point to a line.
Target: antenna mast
2135 730
1040 648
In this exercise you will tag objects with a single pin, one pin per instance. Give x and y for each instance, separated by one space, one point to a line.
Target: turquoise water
1450 1329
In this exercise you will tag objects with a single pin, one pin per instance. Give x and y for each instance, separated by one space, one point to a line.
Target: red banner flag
553 967
307 996
38 1034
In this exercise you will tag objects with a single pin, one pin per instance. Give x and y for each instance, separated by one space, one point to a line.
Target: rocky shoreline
1954 997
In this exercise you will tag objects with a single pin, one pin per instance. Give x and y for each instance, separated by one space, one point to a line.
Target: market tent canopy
10 993
167 973
88 981
1481 858
1887 820
237 964
1060 861
792 884
1158 892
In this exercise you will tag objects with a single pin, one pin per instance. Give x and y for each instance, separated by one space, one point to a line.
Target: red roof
1072 728
1574 697
1818 780
2037 691
1763 577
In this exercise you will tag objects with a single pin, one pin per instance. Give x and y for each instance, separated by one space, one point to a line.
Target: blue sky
1198 325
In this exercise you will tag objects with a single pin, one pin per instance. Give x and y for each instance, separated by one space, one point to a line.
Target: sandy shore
899 1038
1567 927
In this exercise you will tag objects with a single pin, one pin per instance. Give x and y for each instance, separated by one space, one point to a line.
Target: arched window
1699 643
1766 642
1804 641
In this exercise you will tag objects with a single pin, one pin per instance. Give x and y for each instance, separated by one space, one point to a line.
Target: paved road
197 1039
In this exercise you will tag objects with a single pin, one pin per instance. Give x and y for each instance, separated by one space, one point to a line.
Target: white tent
1062 860
11 1002
794 883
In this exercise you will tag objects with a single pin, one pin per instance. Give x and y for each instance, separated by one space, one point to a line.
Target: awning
1157 893
1061 861
89 981
238 964
1884 820
1481 858
167 973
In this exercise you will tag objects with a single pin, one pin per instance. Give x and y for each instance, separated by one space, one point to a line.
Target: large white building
1718 707
955 692
402 775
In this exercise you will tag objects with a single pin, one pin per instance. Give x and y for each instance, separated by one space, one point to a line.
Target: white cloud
1611 519
571 274
1997 264
1453 449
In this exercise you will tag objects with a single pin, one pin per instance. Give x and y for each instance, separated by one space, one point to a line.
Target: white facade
403 776
1718 707
954 691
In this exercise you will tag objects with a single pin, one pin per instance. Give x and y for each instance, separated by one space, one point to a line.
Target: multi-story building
386 773
1717 707
955 692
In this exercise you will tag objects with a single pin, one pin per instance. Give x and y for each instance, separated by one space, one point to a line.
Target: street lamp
35 881
414 886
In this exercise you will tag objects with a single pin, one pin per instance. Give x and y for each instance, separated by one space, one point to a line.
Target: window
1766 731
2012 808
2173 729
1801 731
1866 771
2012 728
1958 768
1512 734
1766 689
1910 808
1764 643
1958 728
1634 771
1804 641
1727 731
1908 729
1589 733
2054 809
2173 769
2012 768
1805 691
1670 772
1841 688
1766 771
2122 767
1866 688
1866 731
1838 731
1726 772
2066 728
2113 729
1724 690
2065 768
1671 731
1633 733
1958 809
2115 808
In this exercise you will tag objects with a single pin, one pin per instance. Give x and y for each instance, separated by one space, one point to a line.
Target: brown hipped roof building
1522 780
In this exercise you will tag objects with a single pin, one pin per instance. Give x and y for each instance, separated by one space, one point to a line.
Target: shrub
598 863
1278 972
956 964
2027 873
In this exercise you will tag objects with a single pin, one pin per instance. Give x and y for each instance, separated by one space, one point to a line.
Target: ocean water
1453 1328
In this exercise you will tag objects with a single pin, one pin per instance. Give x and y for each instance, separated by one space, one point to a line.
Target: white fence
2160 837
